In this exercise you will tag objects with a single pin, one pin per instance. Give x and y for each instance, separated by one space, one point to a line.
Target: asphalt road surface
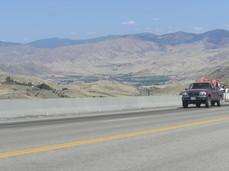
166 139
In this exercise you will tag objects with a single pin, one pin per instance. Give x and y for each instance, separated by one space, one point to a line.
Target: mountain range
216 36
179 55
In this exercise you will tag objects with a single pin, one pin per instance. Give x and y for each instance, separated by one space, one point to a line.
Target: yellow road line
15 153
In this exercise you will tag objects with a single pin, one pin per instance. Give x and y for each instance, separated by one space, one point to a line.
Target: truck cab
203 92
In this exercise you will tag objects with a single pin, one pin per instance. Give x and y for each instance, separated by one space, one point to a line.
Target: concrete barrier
26 107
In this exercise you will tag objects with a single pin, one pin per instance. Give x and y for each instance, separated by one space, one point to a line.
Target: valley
128 79
145 63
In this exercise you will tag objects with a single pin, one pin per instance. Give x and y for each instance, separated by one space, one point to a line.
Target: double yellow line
58 146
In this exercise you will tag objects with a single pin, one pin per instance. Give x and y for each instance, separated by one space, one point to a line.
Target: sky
25 21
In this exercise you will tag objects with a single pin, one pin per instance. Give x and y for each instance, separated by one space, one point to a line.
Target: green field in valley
127 79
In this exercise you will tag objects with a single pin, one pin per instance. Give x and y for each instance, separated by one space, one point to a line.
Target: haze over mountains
180 55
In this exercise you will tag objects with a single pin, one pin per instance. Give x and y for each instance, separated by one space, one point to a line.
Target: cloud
131 22
73 33
199 28
25 40
156 19
93 33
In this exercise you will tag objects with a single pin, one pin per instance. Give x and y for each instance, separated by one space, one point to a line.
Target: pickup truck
202 93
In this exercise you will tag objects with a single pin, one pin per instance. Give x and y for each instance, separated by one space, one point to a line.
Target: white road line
114 120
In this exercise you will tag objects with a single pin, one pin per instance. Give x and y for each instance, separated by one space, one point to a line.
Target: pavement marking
58 146
113 120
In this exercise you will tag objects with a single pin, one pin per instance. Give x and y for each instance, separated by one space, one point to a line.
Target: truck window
199 86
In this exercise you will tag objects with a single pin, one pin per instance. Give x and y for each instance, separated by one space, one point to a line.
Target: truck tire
219 102
208 102
184 104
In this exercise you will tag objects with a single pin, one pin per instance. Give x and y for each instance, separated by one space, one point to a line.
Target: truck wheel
198 104
185 104
213 103
220 101
208 102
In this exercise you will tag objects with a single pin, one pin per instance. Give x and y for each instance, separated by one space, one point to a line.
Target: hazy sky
29 20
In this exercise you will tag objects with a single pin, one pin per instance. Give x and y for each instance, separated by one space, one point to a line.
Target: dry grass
75 90
99 88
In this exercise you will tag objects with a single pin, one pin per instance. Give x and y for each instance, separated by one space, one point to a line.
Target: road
166 139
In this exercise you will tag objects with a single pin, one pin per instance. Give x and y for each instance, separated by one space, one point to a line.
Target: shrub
9 80
44 86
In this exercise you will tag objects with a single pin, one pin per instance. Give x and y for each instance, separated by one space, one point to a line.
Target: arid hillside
221 73
22 87
179 55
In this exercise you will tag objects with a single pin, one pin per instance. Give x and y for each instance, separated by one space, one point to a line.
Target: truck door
213 92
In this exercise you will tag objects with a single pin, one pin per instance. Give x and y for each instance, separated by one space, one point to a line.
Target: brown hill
221 73
20 87
118 56
182 56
